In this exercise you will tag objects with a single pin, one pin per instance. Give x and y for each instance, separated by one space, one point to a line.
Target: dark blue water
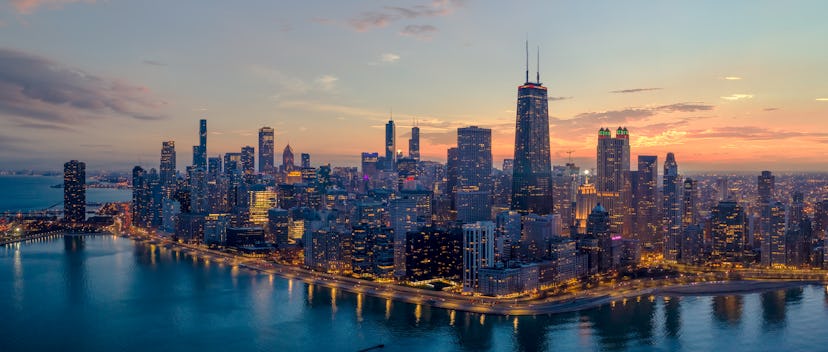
34 192
110 294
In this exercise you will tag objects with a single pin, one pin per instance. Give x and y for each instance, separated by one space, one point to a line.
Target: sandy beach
727 288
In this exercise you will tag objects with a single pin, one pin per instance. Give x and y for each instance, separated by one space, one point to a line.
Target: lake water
34 192
105 293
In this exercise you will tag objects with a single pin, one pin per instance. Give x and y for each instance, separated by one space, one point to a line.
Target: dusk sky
725 85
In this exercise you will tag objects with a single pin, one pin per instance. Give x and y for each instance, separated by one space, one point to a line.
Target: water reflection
75 269
167 297
672 317
728 309
616 326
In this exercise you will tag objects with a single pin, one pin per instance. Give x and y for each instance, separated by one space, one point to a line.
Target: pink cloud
29 6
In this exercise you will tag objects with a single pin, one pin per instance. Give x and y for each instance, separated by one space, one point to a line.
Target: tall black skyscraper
74 191
647 220
266 155
532 174
414 144
671 186
765 185
390 145
200 150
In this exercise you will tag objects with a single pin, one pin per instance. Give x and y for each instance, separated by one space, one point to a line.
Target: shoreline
552 305
473 304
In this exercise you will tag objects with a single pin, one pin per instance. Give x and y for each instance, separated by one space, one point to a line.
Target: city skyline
710 87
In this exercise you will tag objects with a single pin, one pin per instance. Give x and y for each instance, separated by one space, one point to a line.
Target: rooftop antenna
539 65
391 113
569 152
527 59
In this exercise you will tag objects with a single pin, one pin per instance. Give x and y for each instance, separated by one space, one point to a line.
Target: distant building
167 171
248 165
414 144
287 160
390 146
266 151
200 150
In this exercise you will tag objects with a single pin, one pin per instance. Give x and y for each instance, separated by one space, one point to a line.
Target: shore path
484 305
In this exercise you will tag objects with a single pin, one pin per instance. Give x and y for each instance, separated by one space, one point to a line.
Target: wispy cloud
559 98
821 99
734 97
422 32
154 63
288 85
326 82
754 133
40 90
29 6
770 109
369 20
732 78
635 90
389 57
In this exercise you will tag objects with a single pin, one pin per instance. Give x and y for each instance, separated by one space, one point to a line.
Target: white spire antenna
539 82
527 58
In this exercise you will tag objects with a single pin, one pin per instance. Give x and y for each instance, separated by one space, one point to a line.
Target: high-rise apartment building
478 252
74 191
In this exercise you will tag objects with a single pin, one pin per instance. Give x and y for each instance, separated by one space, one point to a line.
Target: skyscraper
74 191
764 187
773 243
403 213
414 144
167 169
287 159
390 145
612 177
672 209
266 140
306 160
690 200
647 221
532 173
369 169
474 147
200 150
248 163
